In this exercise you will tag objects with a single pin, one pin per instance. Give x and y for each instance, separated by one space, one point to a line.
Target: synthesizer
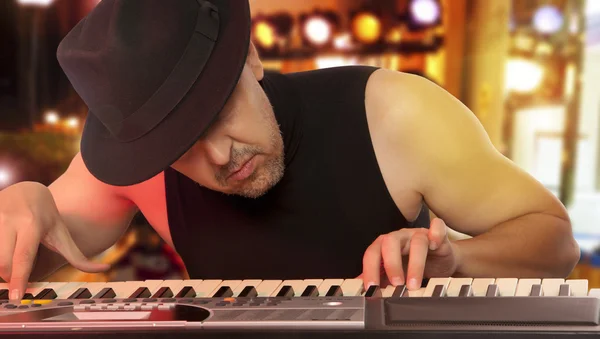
304 308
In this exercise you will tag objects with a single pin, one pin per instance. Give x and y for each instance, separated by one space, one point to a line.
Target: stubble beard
264 177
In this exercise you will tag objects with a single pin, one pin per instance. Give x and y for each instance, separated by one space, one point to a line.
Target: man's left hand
420 252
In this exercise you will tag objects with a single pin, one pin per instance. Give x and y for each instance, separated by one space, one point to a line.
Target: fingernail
397 281
432 246
412 284
14 294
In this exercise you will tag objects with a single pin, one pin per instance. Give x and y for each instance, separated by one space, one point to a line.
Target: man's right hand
28 217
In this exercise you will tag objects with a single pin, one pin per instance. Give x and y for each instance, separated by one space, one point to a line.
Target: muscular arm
519 228
95 214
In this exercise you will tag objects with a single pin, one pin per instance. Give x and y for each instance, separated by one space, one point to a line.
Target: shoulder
409 108
423 131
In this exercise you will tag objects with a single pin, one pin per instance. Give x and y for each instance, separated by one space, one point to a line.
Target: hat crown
123 51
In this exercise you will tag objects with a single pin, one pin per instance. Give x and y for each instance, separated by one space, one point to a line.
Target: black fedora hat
153 74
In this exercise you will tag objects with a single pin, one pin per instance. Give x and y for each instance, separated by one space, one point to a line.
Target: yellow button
42 301
25 302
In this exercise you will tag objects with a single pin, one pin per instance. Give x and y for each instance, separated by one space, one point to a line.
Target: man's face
242 152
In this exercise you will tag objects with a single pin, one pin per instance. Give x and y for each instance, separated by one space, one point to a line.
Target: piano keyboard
451 305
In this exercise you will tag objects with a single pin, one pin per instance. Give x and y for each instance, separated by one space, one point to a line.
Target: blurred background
528 69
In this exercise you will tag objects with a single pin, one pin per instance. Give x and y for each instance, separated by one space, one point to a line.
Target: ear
254 62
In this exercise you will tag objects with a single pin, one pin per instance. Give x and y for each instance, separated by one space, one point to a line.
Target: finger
60 239
437 233
391 253
372 263
26 248
7 249
419 247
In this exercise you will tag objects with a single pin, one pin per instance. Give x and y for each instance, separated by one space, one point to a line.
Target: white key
551 286
433 282
203 288
507 286
244 284
268 287
314 282
67 289
94 287
151 284
480 285
353 287
55 286
188 283
125 289
388 291
230 283
456 284
35 288
417 293
579 287
174 285
524 286
297 285
111 284
326 284
594 293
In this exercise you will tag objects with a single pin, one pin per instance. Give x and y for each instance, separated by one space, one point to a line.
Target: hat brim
128 163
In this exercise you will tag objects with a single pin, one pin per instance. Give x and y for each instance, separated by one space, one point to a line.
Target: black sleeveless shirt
330 205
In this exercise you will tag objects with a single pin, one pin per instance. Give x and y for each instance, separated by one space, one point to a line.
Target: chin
263 180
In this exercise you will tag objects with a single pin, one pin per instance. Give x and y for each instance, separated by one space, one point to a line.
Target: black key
46 293
334 291
286 291
564 290
163 292
4 294
141 292
27 296
310 291
249 292
373 292
81 293
536 290
492 291
186 292
438 291
105 293
465 291
400 291
223 292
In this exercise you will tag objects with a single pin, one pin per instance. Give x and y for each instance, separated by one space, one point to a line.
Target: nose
217 151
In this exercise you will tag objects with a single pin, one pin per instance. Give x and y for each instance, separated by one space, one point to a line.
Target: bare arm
519 228
96 215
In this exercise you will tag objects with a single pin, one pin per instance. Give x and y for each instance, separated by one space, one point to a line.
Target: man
252 174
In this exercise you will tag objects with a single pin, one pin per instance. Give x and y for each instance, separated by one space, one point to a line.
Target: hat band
176 86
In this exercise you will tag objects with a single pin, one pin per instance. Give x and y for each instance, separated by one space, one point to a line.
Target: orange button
228 299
